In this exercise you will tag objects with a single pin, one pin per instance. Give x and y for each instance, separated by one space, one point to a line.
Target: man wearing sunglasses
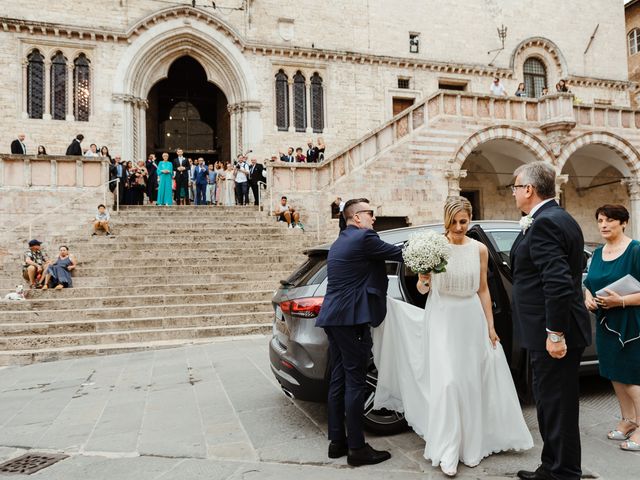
356 300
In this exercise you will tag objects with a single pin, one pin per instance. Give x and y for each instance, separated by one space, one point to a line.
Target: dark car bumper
292 381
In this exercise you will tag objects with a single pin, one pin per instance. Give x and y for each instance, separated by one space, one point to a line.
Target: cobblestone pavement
214 411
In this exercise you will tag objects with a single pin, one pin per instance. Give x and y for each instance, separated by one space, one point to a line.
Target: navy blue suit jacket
547 263
357 279
200 176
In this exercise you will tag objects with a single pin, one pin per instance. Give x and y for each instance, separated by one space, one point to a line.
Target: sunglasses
370 212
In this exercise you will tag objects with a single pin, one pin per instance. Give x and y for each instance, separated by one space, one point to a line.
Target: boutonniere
525 223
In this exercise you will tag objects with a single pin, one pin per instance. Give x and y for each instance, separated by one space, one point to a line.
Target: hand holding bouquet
427 252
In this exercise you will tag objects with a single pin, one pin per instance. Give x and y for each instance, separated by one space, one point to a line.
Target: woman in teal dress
165 180
618 326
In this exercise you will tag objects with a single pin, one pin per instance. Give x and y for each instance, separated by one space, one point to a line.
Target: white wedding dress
438 366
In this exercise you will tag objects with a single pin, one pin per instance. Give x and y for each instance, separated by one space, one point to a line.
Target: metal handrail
31 221
260 183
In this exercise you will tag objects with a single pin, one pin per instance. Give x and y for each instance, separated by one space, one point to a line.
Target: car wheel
383 421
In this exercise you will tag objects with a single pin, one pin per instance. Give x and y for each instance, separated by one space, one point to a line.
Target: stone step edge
164 285
93 310
142 330
124 297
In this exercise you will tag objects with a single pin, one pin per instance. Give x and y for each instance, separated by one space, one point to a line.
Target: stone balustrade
51 171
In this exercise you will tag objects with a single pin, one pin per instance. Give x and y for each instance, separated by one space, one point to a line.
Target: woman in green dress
618 329
165 180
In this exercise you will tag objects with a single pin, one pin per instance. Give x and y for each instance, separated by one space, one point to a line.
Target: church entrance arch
187 111
159 41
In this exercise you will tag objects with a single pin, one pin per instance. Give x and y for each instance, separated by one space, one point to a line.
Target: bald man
18 147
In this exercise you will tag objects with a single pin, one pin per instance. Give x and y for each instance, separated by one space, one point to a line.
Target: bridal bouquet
427 252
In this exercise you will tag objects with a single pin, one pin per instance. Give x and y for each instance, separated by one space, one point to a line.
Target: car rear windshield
312 272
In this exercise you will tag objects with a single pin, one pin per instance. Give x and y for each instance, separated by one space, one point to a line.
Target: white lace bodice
462 278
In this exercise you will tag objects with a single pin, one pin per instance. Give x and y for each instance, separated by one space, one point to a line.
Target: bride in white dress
444 366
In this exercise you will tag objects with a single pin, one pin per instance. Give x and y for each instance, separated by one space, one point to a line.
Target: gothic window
535 77
35 84
634 41
317 104
81 88
59 87
282 101
299 102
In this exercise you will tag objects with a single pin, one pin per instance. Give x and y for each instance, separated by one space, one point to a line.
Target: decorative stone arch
544 50
186 31
622 147
538 148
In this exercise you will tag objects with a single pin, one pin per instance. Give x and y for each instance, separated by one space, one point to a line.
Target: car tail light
302 307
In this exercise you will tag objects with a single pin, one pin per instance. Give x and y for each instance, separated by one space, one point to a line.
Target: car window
312 272
502 241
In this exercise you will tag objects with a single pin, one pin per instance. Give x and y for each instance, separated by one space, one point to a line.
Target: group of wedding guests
312 154
75 148
497 88
444 367
40 272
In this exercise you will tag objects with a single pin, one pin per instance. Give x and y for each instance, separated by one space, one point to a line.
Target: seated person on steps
286 213
101 221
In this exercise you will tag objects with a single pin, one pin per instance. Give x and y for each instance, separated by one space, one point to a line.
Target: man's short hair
283 198
101 205
80 137
351 205
540 175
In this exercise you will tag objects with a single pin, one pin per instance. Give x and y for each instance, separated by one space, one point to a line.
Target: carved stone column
25 88
633 188
47 90
560 181
453 180
70 112
236 132
307 93
291 106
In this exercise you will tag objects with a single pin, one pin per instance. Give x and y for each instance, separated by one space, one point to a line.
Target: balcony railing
53 171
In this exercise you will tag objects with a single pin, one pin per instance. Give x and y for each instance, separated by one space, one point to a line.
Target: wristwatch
555 338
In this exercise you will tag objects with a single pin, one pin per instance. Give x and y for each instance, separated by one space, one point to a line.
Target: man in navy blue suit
356 299
200 174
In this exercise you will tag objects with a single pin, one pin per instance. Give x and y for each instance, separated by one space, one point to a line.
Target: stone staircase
169 276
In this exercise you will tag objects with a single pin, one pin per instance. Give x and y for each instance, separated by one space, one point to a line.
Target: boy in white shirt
101 221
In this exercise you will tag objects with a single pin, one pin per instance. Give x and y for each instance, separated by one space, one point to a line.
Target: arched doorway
595 175
187 111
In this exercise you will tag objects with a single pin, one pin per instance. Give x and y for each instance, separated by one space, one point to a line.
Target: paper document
624 286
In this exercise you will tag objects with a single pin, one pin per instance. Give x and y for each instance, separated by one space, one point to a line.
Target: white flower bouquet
427 252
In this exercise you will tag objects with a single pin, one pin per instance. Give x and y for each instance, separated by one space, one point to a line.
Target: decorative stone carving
453 180
633 188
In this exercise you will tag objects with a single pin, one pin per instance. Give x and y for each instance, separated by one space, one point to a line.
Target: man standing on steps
242 181
200 175
255 175
181 175
356 300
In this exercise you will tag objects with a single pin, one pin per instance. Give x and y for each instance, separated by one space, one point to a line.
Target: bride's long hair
452 207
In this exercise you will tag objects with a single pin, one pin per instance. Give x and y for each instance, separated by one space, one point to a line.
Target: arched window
35 84
535 77
81 88
299 102
59 87
282 101
634 41
317 104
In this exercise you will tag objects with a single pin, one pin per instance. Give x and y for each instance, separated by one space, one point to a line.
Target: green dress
165 183
617 329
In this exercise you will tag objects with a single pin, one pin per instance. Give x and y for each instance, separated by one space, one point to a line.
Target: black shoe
366 456
338 449
540 474
94 234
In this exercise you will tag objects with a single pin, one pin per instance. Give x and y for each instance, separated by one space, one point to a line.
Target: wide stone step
134 222
102 325
34 342
75 302
134 260
115 249
45 354
186 238
142 282
21 316
234 266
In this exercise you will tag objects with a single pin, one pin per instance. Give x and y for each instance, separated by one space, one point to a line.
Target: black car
299 350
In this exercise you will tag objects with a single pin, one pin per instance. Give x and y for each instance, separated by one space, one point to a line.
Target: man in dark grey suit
75 147
18 147
356 299
551 320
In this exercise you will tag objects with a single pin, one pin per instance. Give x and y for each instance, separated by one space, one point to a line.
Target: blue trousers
242 193
201 193
349 353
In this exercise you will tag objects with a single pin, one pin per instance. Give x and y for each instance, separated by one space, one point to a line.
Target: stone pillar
54 173
25 87
1 172
70 111
79 174
27 171
47 90
633 188
560 181
142 106
232 108
453 180
307 93
292 120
